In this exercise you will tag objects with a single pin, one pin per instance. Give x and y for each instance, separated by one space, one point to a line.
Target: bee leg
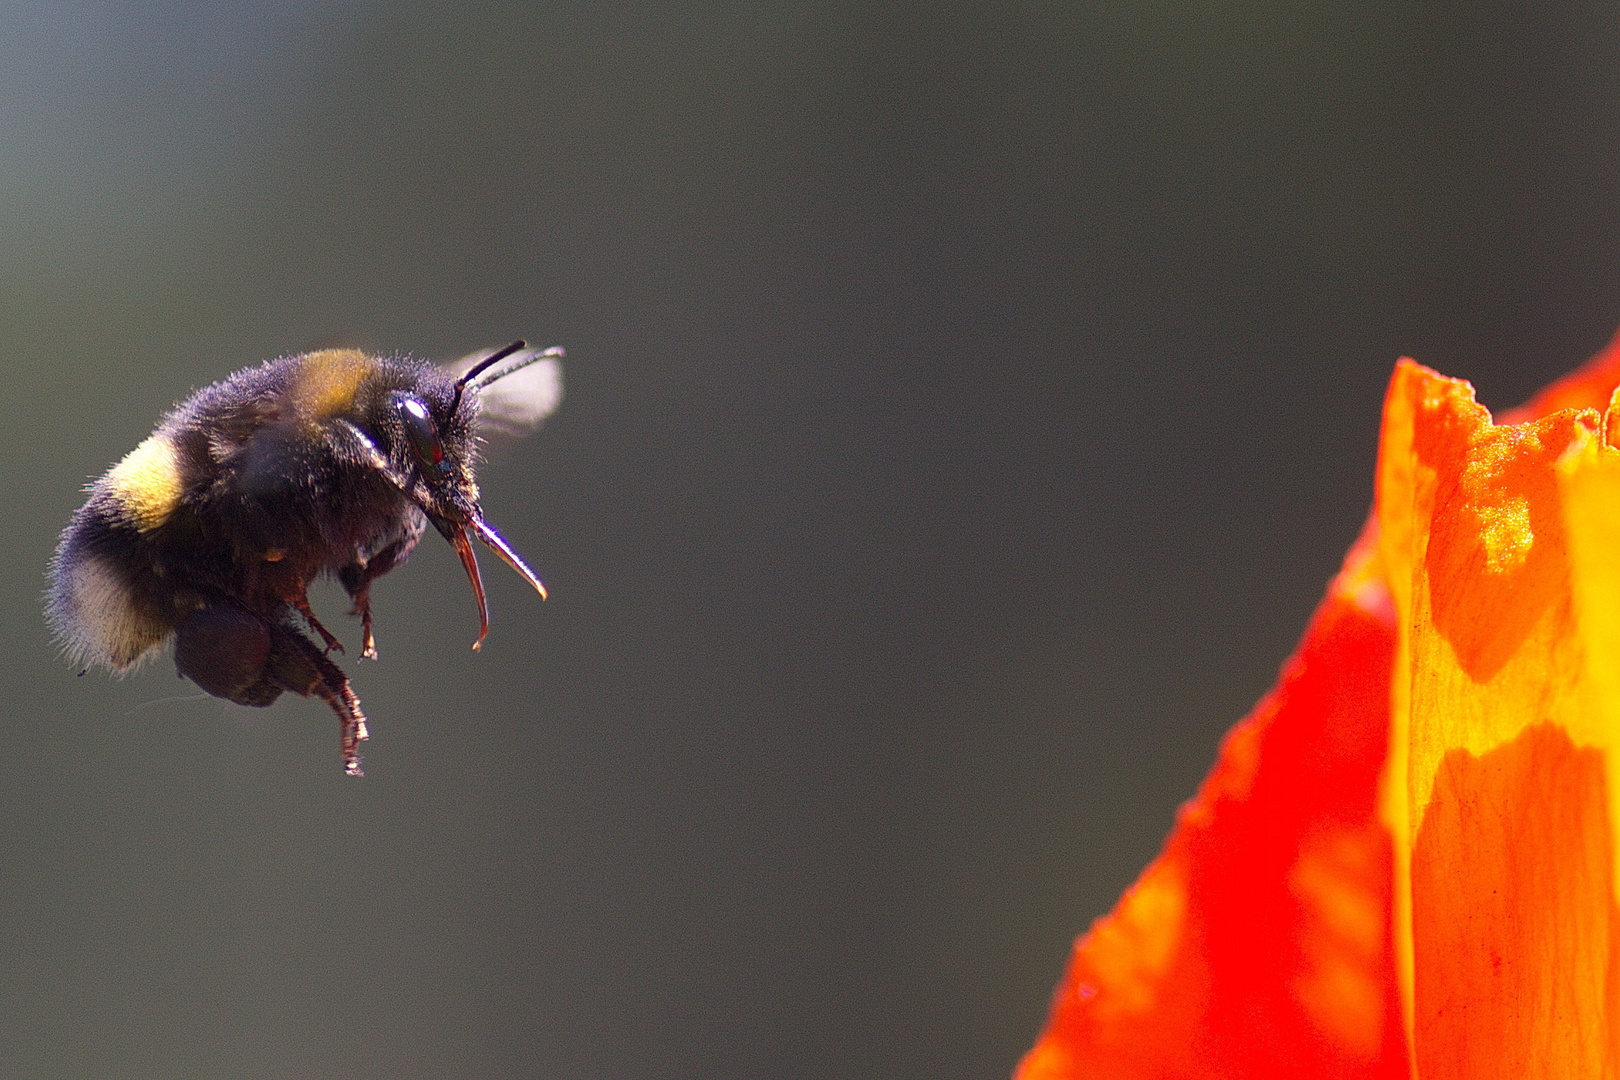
237 655
301 602
295 663
224 649
357 578
362 608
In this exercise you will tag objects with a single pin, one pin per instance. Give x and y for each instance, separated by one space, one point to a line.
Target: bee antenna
553 353
483 365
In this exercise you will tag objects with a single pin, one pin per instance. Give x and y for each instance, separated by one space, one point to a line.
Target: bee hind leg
240 656
295 664
224 650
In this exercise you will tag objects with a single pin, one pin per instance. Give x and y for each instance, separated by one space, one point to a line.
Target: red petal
1258 943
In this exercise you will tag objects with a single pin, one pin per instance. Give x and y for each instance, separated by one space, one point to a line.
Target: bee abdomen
93 604
146 486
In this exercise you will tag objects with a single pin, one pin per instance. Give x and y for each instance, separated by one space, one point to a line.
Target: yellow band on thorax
328 380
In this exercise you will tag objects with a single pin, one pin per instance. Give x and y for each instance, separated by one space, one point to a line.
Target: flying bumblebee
208 534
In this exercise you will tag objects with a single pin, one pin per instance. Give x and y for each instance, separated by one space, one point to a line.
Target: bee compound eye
420 429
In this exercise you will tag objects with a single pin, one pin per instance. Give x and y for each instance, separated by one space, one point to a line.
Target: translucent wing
517 393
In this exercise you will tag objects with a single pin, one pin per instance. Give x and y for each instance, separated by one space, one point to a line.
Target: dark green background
965 408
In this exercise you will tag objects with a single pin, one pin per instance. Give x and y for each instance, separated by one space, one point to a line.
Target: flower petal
1258 943
1403 860
1500 809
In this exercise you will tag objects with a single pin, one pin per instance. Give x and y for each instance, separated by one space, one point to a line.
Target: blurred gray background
966 405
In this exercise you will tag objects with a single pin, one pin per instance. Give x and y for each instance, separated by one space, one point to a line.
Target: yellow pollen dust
1505 532
147 483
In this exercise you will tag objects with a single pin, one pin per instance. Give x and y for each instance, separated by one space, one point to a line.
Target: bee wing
514 404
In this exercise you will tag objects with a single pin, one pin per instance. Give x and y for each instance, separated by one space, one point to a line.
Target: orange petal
1500 807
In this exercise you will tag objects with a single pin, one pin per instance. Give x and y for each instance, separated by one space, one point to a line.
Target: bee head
421 440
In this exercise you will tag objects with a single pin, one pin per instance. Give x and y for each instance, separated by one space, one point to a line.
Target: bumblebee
208 534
